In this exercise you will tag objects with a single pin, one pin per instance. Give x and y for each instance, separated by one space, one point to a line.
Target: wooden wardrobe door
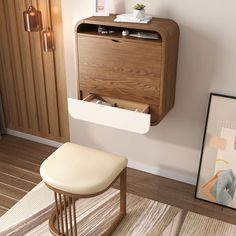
32 82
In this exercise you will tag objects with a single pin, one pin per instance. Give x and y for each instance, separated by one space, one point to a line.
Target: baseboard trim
160 172
131 164
33 138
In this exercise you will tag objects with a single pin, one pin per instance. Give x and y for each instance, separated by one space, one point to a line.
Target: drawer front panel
114 117
127 70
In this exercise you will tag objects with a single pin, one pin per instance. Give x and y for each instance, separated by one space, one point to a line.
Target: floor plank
2 211
11 191
12 170
6 202
16 182
23 164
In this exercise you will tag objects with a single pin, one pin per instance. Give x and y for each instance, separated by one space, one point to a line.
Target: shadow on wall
198 64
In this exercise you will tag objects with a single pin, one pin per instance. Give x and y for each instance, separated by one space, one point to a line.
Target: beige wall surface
207 53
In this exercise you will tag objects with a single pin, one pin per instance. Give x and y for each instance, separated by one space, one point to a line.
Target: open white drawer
112 112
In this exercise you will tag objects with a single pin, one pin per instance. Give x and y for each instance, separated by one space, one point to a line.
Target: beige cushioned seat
81 170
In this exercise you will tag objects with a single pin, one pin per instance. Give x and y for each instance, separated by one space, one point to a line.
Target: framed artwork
101 8
217 172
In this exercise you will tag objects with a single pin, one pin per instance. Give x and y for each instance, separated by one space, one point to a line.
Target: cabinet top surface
165 27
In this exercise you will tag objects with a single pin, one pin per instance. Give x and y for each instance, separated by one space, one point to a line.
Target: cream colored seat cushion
81 170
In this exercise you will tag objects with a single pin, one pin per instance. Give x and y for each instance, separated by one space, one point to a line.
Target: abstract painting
217 172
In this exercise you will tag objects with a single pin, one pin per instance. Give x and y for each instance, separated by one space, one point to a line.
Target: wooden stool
74 172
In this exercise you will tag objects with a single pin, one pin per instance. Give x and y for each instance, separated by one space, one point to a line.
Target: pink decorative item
218 143
101 8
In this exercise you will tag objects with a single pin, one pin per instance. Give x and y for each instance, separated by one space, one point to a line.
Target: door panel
120 66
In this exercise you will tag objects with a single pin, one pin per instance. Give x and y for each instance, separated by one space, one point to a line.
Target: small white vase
139 13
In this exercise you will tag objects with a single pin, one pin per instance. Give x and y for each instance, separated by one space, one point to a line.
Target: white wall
207 55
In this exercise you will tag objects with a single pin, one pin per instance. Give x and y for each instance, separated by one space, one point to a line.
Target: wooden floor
19 168
19 172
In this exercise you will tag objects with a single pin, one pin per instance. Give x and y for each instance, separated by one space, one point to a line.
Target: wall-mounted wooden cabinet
128 68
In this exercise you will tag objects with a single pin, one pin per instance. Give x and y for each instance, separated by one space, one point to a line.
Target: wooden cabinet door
126 69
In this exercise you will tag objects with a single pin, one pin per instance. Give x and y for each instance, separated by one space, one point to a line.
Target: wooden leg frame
63 219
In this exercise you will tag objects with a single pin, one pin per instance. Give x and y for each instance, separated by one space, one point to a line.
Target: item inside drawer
119 103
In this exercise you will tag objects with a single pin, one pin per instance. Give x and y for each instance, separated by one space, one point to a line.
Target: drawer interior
119 103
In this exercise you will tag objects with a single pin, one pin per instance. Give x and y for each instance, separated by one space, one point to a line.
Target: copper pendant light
48 34
48 40
32 19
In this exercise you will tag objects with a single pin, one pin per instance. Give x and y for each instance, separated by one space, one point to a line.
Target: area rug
94 215
199 225
145 217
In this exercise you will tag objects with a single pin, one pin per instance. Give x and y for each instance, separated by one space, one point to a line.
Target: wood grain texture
27 70
15 182
18 172
9 85
11 191
16 66
38 79
32 84
59 65
128 72
19 168
50 81
132 69
6 202
2 211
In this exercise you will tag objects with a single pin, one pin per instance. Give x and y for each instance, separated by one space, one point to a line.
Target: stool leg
57 225
57 212
65 211
56 219
61 214
74 213
123 190
70 215
116 222
70 218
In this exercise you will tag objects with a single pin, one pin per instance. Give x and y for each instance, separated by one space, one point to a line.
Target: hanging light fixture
48 40
48 34
32 19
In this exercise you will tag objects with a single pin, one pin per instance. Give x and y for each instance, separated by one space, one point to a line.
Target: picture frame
100 8
216 182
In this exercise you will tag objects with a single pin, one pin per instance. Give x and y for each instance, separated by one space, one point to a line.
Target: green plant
139 6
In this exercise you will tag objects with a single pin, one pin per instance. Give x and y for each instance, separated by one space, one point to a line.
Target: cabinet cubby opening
92 29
